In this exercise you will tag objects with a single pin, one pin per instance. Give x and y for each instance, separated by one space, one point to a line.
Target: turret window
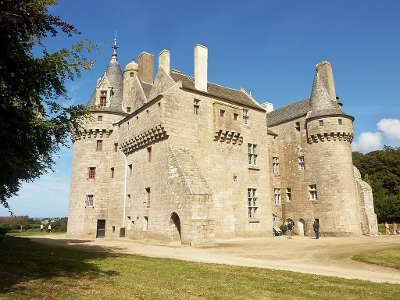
92 172
277 196
128 109
321 122
301 163
103 98
275 165
89 200
340 122
99 118
312 189
99 145
131 74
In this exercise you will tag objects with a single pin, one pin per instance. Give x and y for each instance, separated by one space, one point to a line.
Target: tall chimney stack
146 67
200 67
164 60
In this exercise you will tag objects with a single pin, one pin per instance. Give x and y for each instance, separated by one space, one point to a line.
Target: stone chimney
146 67
200 67
164 60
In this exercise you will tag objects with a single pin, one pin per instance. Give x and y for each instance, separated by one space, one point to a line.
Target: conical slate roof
114 75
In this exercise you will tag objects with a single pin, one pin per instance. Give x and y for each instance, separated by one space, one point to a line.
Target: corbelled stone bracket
142 140
91 133
333 136
228 137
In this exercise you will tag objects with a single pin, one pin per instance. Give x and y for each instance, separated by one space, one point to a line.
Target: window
235 178
196 106
145 223
112 172
130 170
252 153
99 145
235 116
289 194
312 189
245 116
149 154
321 122
128 109
103 98
277 196
131 74
148 197
92 172
113 229
252 203
275 165
89 201
340 122
221 113
301 163
115 147
99 118
297 126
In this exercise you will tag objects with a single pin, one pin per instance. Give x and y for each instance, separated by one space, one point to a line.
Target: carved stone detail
332 136
228 137
155 134
91 133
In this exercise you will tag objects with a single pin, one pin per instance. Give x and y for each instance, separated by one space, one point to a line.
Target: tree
381 169
33 123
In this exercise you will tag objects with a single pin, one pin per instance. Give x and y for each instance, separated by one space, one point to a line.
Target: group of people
395 229
48 228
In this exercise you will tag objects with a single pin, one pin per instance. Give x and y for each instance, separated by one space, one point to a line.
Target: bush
3 232
284 228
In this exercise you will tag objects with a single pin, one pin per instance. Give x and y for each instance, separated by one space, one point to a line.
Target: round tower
96 158
331 185
130 72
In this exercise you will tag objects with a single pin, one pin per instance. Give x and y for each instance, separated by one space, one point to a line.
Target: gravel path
326 256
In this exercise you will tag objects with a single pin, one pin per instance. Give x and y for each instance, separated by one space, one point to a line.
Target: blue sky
268 47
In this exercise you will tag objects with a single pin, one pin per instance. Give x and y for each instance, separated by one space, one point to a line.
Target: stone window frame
277 196
297 126
252 206
340 121
128 109
100 118
312 190
289 194
275 165
103 98
321 122
92 173
90 200
235 116
245 116
302 165
222 113
252 154
196 106
99 145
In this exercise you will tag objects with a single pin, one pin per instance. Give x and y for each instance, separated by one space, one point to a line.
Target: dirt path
327 256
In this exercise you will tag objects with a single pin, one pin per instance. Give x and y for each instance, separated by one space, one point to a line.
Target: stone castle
178 158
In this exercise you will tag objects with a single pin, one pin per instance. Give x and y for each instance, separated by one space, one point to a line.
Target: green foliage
381 169
284 228
33 122
14 223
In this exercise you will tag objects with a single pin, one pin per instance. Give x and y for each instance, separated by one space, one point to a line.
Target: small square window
321 122
235 116
221 113
99 118
128 109
235 178
297 126
340 122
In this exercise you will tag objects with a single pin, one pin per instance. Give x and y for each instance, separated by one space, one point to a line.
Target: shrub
284 228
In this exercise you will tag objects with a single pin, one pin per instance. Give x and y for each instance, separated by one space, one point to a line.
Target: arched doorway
175 227
301 225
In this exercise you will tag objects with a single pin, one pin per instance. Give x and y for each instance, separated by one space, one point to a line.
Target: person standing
394 228
290 229
387 230
41 227
316 228
49 228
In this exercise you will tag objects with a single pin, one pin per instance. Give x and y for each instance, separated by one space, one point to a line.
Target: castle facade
177 158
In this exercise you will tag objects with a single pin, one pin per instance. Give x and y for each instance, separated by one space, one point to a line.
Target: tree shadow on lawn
22 260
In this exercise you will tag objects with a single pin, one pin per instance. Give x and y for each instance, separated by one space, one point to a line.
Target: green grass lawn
388 257
30 270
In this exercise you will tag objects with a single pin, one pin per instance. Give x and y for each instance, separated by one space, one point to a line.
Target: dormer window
103 98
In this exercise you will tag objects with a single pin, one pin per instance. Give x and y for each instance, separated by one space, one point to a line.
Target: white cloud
368 141
390 127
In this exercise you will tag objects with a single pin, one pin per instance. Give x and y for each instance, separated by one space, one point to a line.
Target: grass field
30 270
387 258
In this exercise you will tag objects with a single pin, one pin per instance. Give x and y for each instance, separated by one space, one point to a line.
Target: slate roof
218 91
289 112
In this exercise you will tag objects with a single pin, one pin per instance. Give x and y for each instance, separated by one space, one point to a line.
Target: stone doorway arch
301 225
175 227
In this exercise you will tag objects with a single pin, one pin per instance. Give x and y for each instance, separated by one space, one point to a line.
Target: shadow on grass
22 260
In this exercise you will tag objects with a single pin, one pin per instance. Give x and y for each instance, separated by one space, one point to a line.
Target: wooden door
101 228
